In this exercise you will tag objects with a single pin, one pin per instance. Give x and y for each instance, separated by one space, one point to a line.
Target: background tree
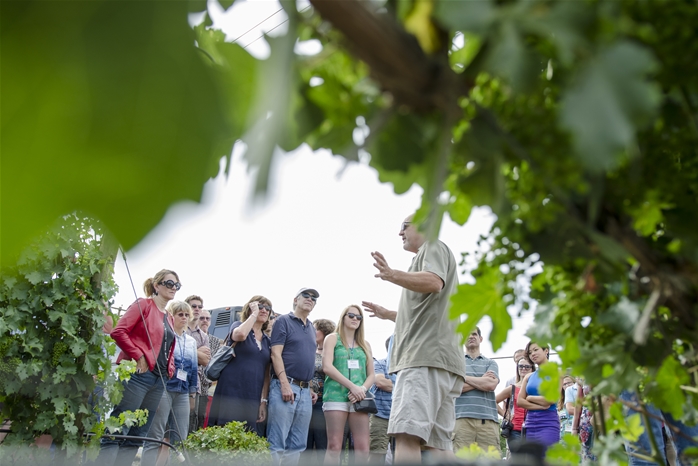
575 122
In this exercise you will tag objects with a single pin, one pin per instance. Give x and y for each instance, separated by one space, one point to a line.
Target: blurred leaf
484 298
621 317
114 116
550 373
471 15
610 100
649 213
669 396
418 22
568 451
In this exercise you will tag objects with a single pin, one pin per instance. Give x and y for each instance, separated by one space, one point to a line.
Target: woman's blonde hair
561 401
176 306
358 335
246 311
149 284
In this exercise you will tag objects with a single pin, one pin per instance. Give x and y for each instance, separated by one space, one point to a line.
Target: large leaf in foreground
106 108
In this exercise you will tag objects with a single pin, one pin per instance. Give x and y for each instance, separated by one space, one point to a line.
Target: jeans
174 407
643 444
141 391
287 430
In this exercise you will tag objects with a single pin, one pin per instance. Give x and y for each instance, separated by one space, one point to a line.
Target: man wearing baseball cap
293 343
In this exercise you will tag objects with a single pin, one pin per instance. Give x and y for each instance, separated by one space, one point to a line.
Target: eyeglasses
170 284
204 318
308 295
351 315
525 367
403 227
196 306
182 314
567 384
272 316
264 306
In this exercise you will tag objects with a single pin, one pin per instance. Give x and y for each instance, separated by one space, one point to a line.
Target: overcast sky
316 228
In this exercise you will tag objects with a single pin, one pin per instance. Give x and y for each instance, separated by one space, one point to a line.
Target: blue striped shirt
384 400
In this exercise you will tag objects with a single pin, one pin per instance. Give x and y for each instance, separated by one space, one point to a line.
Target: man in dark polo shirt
290 398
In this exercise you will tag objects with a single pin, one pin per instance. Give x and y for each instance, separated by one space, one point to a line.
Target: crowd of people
315 385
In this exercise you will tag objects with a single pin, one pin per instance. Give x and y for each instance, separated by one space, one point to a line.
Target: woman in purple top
542 423
243 387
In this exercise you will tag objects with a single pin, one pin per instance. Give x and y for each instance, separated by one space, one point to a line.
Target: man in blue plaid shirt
383 392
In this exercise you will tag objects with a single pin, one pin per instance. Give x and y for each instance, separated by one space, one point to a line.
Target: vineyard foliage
575 122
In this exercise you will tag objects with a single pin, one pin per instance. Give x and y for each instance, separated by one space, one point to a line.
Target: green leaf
550 374
473 302
474 15
610 100
113 115
670 376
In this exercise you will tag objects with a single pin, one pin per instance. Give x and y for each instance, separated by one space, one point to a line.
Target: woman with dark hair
348 365
145 334
542 424
514 413
243 387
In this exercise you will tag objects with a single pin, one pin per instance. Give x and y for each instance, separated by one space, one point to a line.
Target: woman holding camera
348 365
514 413
243 387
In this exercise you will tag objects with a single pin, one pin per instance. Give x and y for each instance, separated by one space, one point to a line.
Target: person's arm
203 355
278 363
500 397
376 310
370 370
358 392
486 383
420 282
522 401
121 334
569 399
264 402
240 333
383 383
540 401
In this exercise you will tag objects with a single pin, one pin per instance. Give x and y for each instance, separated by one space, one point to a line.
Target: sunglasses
170 284
182 314
403 227
351 315
308 295
525 366
264 306
272 316
195 306
204 318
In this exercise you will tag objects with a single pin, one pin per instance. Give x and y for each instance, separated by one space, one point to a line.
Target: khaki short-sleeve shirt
424 334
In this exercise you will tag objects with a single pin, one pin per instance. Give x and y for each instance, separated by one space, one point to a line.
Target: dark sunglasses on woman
351 315
170 284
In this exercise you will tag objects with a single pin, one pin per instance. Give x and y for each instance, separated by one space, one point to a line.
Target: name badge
353 363
181 374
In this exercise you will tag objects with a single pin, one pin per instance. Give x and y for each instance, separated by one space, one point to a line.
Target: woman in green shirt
348 365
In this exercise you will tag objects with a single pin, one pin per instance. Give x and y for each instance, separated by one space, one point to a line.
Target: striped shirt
476 404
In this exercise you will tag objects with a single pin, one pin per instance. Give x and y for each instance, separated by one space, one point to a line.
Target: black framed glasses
182 314
196 306
351 315
272 316
308 295
170 284
525 367
204 318
404 225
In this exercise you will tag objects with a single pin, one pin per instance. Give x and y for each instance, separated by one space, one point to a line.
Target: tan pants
482 432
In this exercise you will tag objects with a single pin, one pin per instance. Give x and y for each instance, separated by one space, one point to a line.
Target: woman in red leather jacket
145 335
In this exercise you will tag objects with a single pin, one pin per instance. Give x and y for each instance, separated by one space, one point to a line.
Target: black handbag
220 360
367 405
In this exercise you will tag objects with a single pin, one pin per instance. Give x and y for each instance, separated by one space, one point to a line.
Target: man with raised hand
293 344
426 351
477 420
203 352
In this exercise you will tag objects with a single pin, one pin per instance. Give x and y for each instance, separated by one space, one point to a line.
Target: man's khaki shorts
484 433
424 405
